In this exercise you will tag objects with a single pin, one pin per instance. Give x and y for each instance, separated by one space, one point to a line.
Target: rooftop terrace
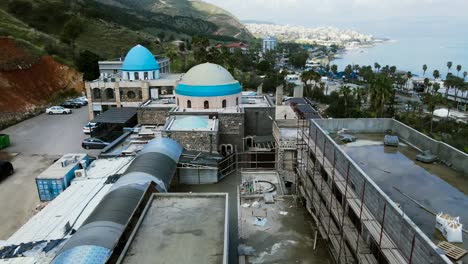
181 228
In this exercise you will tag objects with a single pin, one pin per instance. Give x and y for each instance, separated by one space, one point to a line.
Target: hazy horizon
369 16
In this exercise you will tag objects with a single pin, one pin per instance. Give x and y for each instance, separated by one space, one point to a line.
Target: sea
411 43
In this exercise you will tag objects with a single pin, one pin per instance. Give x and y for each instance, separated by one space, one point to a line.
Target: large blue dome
138 59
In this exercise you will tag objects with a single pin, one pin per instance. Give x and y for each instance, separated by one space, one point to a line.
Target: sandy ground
18 193
36 143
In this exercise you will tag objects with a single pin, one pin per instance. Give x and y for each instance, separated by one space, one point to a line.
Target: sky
342 12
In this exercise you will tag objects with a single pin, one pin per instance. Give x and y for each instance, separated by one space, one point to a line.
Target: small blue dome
140 58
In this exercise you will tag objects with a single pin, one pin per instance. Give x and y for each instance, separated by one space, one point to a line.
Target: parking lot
35 144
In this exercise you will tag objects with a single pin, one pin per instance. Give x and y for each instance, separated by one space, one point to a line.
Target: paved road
50 134
36 143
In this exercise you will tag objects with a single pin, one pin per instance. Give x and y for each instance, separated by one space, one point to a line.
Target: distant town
319 35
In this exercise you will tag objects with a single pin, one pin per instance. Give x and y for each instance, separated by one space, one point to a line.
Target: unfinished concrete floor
286 237
435 185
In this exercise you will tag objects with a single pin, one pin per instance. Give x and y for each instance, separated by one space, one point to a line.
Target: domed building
138 78
140 64
208 86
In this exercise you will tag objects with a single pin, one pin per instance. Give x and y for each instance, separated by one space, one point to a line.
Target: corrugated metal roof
75 204
119 116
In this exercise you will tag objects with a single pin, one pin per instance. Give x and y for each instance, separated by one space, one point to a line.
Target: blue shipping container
49 188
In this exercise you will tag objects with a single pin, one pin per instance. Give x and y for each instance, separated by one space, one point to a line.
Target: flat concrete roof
181 228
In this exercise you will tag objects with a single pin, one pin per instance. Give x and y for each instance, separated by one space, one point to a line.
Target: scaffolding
361 224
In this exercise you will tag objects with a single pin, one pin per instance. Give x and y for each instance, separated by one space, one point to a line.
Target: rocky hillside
227 24
28 81
110 27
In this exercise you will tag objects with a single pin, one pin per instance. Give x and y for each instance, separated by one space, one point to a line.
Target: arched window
237 100
178 103
128 76
145 75
189 104
223 150
224 103
97 93
110 93
131 94
137 77
229 149
206 105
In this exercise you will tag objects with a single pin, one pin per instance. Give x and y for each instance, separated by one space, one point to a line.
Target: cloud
339 11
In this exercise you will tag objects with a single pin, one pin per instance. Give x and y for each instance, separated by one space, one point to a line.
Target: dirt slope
27 82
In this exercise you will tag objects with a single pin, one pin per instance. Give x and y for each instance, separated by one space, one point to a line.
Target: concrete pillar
117 94
89 96
145 91
279 95
299 91
260 89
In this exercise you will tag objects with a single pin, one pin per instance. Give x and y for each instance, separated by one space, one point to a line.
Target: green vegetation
65 28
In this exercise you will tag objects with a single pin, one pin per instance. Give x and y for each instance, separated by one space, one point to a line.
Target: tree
464 75
380 93
376 67
87 63
348 70
459 67
264 66
200 45
345 91
432 100
424 69
71 31
409 75
436 74
334 69
20 8
299 59
449 66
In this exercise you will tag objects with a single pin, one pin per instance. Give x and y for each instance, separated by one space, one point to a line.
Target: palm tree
436 74
449 66
345 91
380 92
334 69
376 67
459 67
359 94
424 69
464 75
409 75
433 101
426 85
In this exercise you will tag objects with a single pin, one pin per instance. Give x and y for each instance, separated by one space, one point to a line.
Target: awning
118 116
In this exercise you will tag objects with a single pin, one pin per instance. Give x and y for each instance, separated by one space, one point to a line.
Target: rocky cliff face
28 82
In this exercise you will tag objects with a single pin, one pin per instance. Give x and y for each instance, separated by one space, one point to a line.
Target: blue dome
140 58
207 79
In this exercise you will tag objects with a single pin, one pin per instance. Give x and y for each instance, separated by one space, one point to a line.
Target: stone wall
131 94
231 129
194 140
259 121
153 115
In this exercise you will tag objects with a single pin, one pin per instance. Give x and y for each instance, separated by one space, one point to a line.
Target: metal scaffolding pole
344 210
331 189
360 218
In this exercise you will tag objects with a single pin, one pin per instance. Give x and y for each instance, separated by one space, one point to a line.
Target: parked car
94 143
80 101
71 104
88 128
6 169
58 110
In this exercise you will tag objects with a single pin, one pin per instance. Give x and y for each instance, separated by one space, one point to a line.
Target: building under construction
359 220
